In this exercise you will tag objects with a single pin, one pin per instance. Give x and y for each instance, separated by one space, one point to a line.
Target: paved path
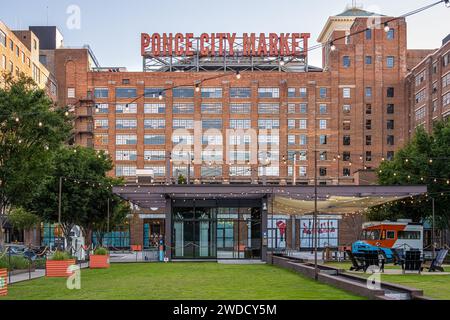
33 275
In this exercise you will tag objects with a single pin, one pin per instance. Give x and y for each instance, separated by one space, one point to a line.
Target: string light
238 75
197 88
40 124
332 46
386 27
160 96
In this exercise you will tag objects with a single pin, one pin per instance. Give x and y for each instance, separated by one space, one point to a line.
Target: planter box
58 269
136 247
98 262
3 282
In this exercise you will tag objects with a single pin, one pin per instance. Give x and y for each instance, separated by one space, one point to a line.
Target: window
125 81
322 124
390 62
346 125
154 155
322 108
240 123
70 93
322 172
446 99
126 139
124 108
390 155
123 93
268 92
390 140
239 171
368 108
420 96
126 124
11 45
212 123
446 80
268 139
211 92
211 171
240 93
2 38
410 235
346 140
303 140
215 140
368 140
368 124
182 139
323 156
323 93
346 61
346 92
154 108
235 140
126 155
323 139
291 139
390 108
125 171
183 92
269 171
390 124
211 108
368 155
368 34
183 108
390 34
346 172
183 124
101 139
212 155
3 65
346 108
154 139
101 124
291 92
154 92
368 92
269 124
390 92
154 123
346 156
420 77
368 59
101 93
268 108
240 108
303 92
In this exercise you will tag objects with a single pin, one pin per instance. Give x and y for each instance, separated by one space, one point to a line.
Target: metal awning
286 199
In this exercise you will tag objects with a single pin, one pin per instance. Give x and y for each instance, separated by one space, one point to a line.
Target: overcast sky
112 27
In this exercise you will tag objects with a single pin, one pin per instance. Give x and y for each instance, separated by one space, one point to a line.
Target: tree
22 219
181 179
424 160
85 189
31 128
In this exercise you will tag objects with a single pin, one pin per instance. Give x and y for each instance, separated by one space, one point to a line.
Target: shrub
60 256
101 251
14 263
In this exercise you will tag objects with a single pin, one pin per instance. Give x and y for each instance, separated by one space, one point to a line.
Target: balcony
84 112
84 128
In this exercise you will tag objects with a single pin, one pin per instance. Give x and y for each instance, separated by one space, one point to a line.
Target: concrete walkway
39 273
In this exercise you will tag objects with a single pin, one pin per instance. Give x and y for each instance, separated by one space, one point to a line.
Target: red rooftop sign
221 44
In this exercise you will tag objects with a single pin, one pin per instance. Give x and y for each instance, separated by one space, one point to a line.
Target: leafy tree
182 179
31 128
22 219
424 160
85 188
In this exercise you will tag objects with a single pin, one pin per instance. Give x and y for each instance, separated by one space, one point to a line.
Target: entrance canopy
287 199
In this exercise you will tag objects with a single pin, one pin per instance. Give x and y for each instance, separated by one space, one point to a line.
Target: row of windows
390 61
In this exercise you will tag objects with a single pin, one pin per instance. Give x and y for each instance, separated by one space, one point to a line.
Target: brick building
428 85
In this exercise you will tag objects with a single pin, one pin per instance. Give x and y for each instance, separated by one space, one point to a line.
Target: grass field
433 286
184 281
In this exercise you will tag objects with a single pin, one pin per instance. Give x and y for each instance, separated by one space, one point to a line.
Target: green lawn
184 281
433 286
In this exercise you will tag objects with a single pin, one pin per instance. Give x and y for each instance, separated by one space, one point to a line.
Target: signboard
327 233
225 44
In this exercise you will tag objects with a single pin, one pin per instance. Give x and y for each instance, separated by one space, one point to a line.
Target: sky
112 27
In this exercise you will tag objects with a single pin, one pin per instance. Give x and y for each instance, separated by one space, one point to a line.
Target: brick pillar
136 230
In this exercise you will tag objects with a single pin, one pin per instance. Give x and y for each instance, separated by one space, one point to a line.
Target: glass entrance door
194 235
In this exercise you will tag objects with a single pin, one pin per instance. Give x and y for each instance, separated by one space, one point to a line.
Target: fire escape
84 121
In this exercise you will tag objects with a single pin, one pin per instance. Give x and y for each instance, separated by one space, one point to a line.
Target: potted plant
58 264
100 259
3 279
